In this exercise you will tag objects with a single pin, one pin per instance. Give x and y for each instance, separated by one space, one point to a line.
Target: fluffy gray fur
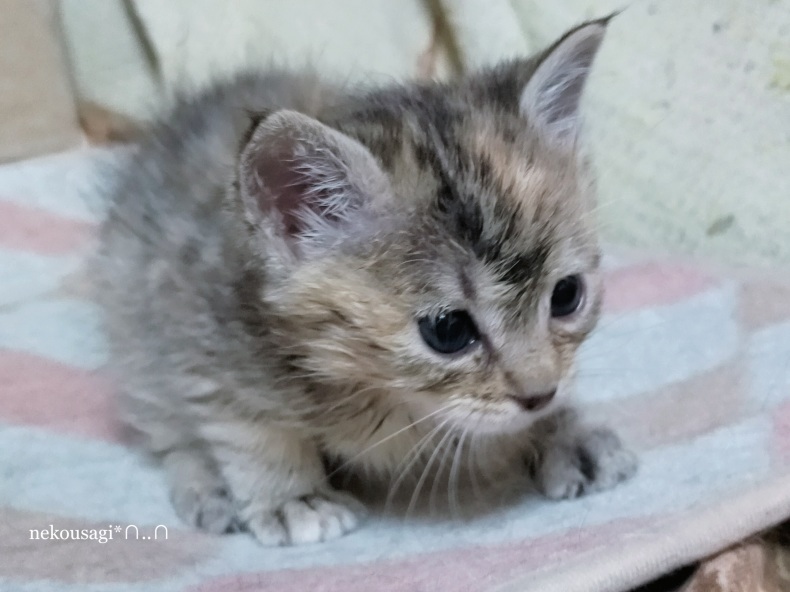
271 246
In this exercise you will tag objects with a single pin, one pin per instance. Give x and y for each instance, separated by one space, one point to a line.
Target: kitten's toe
609 462
211 508
307 519
560 475
594 462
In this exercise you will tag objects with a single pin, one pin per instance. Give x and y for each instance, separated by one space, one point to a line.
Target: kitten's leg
198 492
280 485
574 459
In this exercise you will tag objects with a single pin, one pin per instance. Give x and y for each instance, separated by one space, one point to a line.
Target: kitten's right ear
553 93
305 180
547 89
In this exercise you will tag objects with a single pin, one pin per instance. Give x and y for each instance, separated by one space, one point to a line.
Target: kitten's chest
403 454
382 442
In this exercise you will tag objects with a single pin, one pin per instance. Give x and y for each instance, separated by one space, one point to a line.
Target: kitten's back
166 258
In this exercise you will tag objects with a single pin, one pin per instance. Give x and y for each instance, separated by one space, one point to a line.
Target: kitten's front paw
207 506
313 518
593 462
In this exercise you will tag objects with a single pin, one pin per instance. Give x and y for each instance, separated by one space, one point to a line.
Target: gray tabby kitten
291 272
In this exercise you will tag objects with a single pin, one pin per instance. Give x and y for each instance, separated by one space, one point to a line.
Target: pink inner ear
285 190
282 184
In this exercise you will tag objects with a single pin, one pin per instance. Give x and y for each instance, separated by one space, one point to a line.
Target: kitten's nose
534 402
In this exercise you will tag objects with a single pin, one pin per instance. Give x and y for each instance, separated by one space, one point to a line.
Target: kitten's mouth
510 414
534 402
514 413
502 420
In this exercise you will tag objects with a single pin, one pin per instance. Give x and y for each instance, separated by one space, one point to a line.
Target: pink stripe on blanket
33 229
458 570
782 433
652 284
42 392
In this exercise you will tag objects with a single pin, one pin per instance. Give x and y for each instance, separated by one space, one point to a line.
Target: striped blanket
691 364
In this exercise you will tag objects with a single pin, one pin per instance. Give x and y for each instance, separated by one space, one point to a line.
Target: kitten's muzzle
534 402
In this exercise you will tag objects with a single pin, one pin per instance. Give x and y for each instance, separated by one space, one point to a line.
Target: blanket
690 363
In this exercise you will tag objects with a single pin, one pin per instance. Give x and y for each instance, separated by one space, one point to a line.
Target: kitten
292 271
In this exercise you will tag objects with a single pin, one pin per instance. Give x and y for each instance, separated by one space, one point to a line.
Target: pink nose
534 402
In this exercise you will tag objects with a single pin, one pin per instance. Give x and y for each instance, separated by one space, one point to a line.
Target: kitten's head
433 245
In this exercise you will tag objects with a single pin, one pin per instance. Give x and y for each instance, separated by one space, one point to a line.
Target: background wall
689 119
37 109
688 109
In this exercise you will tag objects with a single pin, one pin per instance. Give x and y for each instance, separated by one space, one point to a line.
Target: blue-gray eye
449 332
567 296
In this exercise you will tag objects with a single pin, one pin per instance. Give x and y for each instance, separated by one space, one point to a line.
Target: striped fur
271 245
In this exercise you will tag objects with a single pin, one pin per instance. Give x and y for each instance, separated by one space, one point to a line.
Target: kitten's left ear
305 181
552 94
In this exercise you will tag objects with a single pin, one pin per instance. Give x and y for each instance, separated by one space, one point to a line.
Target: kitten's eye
449 332
567 296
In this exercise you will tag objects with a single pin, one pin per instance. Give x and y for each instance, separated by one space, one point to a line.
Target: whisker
452 481
387 438
438 473
471 461
425 473
415 454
